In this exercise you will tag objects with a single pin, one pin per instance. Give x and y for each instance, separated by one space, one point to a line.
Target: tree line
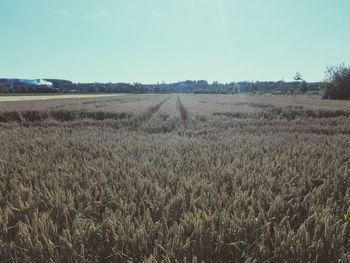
188 86
335 86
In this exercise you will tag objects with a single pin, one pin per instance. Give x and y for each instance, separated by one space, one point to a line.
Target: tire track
182 109
145 117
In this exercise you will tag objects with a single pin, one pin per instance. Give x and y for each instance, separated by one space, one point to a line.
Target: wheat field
52 97
175 178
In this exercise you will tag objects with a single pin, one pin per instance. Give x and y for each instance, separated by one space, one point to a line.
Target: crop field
17 97
175 178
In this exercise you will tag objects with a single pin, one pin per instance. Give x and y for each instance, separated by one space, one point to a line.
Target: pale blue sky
171 40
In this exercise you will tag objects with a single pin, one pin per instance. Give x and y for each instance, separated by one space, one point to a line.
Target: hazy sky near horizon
152 41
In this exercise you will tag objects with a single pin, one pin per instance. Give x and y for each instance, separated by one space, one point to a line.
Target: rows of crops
170 178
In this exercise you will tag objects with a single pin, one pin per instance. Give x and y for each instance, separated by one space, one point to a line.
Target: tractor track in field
165 117
145 117
182 109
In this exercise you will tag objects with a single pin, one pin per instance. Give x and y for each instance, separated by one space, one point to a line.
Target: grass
169 178
46 96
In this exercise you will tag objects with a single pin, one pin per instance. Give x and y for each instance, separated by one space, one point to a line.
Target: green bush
338 83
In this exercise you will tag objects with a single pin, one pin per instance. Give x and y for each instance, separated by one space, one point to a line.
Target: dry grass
52 97
176 179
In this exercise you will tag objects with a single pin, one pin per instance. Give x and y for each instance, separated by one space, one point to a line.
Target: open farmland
52 96
175 178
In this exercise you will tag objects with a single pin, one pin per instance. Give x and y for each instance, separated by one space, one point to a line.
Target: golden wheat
173 178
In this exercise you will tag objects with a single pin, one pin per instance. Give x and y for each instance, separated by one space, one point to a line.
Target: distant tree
337 82
93 89
303 87
2 88
157 89
236 90
252 87
281 85
290 92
